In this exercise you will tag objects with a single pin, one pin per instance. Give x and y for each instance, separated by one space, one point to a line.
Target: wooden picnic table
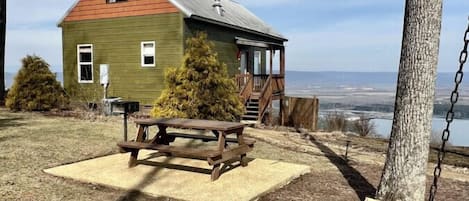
215 157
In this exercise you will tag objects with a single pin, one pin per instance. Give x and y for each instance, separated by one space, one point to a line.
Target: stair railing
265 97
246 91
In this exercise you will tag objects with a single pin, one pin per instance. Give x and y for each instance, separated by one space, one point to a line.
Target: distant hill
378 80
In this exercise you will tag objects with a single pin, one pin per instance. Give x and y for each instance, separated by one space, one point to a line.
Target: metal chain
450 116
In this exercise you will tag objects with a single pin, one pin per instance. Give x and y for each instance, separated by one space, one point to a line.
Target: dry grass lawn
31 142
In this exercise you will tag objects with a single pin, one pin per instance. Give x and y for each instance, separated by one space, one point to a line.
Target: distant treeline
440 110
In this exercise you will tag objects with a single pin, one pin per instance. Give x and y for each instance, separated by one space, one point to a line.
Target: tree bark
404 172
3 20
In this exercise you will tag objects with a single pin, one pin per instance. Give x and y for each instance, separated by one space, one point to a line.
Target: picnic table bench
215 157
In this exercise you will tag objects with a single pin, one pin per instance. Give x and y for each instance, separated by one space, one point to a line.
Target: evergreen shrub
35 88
201 88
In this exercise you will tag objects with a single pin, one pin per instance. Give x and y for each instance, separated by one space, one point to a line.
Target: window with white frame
148 54
85 63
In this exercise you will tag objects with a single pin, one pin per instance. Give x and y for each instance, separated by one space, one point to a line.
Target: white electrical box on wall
104 74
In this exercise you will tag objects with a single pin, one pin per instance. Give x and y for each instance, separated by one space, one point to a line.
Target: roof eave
196 17
186 12
59 24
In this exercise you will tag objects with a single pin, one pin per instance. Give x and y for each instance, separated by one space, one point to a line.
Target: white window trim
142 58
85 63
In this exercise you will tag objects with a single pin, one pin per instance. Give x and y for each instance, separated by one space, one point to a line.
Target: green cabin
136 40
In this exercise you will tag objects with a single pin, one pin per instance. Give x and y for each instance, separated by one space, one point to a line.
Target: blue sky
334 35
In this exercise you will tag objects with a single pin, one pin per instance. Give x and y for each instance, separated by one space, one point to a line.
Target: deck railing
278 84
265 97
259 81
246 85
241 80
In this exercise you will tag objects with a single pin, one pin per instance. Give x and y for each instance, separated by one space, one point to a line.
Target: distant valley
368 91
356 91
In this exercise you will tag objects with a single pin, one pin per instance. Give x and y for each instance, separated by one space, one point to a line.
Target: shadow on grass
10 122
355 179
6 138
135 192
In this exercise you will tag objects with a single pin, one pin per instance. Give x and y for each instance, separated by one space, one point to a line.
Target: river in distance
459 129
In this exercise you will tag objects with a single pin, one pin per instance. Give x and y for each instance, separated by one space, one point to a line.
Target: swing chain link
450 116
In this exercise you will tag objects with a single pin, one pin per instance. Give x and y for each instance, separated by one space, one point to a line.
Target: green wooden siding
225 45
117 42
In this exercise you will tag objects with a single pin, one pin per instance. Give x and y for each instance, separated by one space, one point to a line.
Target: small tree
363 126
35 88
201 88
336 122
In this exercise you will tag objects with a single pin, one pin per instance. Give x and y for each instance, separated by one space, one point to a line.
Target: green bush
35 88
200 88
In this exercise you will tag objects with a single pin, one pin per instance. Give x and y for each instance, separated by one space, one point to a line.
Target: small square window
148 54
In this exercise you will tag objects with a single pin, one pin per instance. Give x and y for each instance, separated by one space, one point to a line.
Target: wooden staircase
252 109
257 95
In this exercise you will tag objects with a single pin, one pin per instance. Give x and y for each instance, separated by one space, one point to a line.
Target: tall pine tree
200 88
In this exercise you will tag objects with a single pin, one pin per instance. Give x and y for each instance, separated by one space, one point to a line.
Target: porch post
282 112
271 110
282 97
271 59
282 60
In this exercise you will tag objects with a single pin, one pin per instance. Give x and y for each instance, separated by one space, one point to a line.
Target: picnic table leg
216 172
240 137
134 153
217 134
133 158
161 137
221 147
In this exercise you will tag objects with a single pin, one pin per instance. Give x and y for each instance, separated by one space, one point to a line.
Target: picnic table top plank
191 124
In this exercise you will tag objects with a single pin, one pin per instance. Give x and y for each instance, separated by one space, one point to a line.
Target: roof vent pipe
218 7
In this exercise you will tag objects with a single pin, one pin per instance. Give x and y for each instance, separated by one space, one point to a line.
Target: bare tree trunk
3 20
404 172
